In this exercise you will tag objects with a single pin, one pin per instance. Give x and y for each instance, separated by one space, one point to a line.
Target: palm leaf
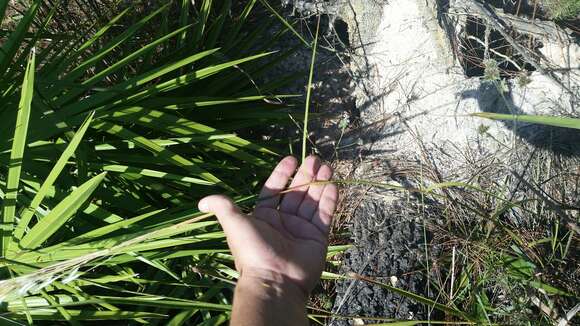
17 155
16 39
51 223
563 122
161 152
81 233
56 171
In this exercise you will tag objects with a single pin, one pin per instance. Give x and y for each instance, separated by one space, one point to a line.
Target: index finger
269 196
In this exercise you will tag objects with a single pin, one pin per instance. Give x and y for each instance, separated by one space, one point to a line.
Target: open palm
285 237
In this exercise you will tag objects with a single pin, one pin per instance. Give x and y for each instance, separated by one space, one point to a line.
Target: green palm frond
109 136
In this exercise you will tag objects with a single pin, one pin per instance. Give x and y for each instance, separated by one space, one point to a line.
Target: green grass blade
239 22
183 20
28 213
125 145
167 254
216 29
157 249
215 320
182 317
152 249
563 122
156 264
309 92
250 41
26 311
146 301
165 302
59 215
32 186
55 60
169 243
17 155
175 103
102 214
63 312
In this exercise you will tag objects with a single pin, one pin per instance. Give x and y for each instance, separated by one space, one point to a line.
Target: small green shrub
562 9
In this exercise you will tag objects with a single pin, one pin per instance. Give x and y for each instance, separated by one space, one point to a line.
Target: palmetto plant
107 140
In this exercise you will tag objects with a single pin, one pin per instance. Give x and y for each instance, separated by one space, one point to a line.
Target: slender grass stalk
309 91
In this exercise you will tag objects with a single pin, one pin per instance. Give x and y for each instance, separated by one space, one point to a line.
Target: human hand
285 239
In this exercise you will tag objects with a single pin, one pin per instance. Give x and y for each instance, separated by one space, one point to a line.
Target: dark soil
388 244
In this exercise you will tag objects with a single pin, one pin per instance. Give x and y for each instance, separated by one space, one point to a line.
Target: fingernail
203 206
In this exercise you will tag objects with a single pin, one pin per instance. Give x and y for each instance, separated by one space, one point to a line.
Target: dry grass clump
507 238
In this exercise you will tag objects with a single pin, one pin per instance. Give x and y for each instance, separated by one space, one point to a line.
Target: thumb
227 213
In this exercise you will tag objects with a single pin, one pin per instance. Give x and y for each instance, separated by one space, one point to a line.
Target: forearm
265 301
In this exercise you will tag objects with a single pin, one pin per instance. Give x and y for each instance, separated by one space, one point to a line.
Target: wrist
272 285
268 298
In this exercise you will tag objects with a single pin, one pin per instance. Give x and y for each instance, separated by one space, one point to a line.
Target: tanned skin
279 249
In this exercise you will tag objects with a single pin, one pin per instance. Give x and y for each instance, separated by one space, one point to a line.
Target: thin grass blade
309 92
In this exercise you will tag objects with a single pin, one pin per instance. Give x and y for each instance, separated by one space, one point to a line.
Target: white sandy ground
418 82
423 98
420 94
